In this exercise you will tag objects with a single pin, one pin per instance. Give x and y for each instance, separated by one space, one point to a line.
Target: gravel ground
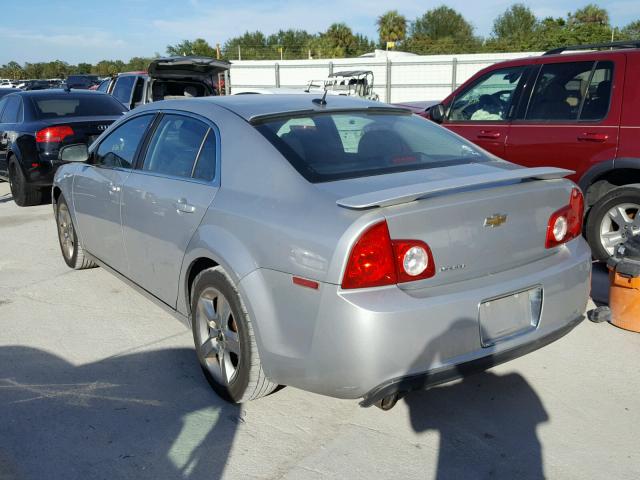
96 382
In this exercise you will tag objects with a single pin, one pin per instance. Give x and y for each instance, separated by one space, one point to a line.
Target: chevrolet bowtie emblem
495 220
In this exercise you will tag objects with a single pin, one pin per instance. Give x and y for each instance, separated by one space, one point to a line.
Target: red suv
579 111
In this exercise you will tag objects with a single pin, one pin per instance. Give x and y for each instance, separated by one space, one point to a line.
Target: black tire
248 381
72 252
24 195
629 194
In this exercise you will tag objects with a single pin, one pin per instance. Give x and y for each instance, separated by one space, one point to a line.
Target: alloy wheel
619 224
217 338
65 232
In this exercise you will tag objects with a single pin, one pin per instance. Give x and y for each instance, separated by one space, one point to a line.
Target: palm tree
590 14
392 27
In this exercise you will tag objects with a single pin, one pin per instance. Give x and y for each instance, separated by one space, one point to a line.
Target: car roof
250 107
58 91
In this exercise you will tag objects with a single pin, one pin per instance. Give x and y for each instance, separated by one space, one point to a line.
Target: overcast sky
89 31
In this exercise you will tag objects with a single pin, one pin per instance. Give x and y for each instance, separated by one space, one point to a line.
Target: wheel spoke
611 239
223 311
209 348
619 216
225 365
205 306
232 341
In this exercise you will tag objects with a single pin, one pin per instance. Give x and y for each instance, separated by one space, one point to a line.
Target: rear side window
335 146
490 98
559 91
598 95
118 149
175 146
123 88
12 112
206 163
70 105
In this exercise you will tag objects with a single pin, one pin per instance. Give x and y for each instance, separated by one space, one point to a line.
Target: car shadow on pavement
138 416
6 198
486 422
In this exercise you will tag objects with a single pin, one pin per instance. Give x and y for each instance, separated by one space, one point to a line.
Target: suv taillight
376 260
566 223
53 134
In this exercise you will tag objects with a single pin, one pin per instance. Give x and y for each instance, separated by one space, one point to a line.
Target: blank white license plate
504 317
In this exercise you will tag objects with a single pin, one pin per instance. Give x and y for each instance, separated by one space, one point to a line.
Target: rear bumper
41 175
454 372
365 343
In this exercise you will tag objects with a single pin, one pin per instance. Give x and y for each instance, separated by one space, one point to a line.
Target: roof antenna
321 101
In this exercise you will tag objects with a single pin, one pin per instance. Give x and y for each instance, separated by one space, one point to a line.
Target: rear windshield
334 146
69 105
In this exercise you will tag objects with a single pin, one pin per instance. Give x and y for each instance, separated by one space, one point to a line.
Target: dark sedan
33 127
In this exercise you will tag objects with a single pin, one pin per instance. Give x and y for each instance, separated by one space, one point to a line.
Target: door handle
489 134
593 137
184 207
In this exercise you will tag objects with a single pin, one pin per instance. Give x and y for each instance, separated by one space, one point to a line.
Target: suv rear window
69 105
335 146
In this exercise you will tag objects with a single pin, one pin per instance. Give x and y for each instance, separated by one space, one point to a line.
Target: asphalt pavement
96 382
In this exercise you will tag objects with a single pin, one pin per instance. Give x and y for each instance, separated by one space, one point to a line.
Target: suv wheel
612 220
224 339
24 194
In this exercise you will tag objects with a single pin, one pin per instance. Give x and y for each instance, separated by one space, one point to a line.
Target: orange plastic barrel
624 301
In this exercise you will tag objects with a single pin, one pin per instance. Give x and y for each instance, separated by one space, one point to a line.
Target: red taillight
371 263
53 134
376 260
566 223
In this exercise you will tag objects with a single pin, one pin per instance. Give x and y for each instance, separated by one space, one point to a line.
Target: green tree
294 43
13 70
83 68
249 46
631 31
591 13
442 30
515 29
199 46
392 27
138 64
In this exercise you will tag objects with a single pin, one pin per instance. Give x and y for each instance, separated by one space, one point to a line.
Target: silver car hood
397 188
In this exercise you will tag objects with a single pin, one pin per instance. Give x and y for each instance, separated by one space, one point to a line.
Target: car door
571 117
97 191
165 199
481 112
123 89
12 108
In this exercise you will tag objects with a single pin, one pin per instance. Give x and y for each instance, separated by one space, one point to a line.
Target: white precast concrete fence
401 79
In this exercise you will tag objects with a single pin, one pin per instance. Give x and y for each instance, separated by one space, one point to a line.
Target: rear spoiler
409 193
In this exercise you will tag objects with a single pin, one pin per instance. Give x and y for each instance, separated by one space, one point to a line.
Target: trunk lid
474 226
85 130
187 67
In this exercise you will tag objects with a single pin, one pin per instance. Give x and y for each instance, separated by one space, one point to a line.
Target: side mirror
436 113
74 153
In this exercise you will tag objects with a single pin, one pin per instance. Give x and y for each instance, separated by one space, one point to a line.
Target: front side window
123 88
489 99
104 85
559 91
175 146
334 146
118 149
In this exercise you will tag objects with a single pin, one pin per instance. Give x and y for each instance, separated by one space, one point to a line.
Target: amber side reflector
303 282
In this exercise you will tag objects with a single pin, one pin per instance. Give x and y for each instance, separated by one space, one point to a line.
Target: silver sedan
336 245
